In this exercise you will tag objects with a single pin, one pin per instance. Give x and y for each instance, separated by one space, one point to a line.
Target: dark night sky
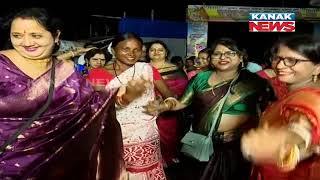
76 21
77 18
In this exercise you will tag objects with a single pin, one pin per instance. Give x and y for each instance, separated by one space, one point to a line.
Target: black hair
95 51
232 45
121 37
43 17
304 44
176 59
163 44
206 50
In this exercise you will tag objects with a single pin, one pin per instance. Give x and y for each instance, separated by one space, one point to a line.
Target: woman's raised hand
157 106
264 145
80 50
135 88
153 107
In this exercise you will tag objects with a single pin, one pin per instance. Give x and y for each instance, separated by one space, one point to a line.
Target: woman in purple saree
64 142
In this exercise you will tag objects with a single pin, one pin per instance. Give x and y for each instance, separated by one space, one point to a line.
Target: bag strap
221 102
36 115
215 123
217 119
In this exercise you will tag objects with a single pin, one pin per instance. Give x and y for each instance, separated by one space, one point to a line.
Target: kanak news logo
272 22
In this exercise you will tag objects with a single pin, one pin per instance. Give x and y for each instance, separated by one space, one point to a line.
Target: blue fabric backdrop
155 28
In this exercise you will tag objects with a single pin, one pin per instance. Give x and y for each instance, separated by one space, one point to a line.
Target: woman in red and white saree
286 144
136 82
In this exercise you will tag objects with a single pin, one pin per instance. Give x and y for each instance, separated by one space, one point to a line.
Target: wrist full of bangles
170 103
289 158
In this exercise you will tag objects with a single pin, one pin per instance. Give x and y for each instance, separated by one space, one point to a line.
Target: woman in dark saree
238 112
64 142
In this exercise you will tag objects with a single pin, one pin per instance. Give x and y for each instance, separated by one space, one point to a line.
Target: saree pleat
227 163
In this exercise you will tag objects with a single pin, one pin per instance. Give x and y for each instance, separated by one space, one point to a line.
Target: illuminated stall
208 22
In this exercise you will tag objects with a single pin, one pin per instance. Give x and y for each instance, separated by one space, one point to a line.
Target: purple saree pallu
63 143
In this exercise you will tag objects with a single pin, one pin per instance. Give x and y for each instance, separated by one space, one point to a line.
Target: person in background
65 140
238 113
189 64
94 58
143 57
81 60
292 122
178 61
169 127
201 62
254 67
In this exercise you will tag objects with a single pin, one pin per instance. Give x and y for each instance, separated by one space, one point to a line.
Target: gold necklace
224 79
42 61
220 83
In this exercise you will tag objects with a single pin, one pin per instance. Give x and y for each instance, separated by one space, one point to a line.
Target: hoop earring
314 78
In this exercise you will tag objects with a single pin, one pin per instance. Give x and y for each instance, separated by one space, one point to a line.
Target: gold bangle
171 102
301 131
121 102
168 106
288 161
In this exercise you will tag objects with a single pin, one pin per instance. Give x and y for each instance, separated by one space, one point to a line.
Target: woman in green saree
238 112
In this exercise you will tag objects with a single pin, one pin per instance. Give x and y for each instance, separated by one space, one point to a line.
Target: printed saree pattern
139 130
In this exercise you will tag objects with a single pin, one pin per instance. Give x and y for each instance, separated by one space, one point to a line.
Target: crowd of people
121 114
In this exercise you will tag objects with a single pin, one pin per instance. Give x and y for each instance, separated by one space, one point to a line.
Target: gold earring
242 64
314 78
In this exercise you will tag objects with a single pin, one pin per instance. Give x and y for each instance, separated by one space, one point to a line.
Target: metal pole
107 30
90 30
152 14
107 17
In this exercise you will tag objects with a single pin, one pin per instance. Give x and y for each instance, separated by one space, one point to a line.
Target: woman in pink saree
64 142
176 80
286 144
